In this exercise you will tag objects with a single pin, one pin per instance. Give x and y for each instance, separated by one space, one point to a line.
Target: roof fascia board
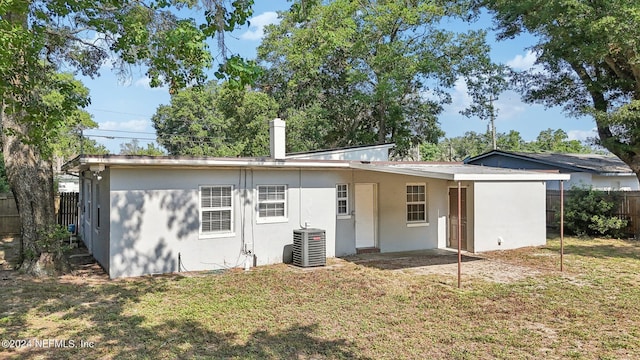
527 176
164 162
511 177
401 171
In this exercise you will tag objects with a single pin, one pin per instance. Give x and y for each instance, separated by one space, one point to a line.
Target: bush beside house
591 212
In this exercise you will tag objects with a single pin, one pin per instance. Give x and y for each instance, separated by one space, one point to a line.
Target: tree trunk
30 177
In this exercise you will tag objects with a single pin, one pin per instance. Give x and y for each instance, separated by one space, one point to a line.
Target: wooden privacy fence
628 208
68 208
66 212
9 218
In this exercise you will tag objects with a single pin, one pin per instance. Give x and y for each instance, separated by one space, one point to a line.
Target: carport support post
561 225
459 234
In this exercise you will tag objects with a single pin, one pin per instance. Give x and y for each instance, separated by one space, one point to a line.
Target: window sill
420 224
205 236
272 220
343 217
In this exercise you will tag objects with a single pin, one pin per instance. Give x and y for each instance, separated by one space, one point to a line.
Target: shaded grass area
347 311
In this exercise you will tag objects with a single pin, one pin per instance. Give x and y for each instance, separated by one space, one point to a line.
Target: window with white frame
216 209
342 199
272 201
416 203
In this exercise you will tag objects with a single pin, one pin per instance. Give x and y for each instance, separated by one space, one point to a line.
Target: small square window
272 201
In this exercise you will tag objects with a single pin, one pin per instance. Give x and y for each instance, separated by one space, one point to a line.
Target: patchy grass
346 311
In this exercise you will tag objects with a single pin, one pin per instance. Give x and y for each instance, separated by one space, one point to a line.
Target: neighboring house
145 215
600 172
362 153
68 183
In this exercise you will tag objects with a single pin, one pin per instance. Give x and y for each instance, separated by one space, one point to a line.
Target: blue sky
123 107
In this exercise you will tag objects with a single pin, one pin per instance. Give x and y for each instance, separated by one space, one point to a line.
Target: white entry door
365 215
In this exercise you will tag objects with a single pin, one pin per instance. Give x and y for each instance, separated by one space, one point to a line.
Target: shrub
591 212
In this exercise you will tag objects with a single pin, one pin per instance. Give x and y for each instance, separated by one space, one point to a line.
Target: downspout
305 225
561 225
253 219
459 234
248 253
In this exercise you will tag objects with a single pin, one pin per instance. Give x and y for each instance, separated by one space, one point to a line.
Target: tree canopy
133 147
367 71
472 143
589 54
42 37
216 120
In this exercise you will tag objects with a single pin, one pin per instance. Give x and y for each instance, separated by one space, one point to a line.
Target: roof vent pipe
277 138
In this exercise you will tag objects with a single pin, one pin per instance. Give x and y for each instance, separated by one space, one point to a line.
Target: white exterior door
365 213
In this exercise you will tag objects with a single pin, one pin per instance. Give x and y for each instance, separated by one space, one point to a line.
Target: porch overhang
460 172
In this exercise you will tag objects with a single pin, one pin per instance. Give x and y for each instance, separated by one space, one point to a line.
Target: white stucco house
146 215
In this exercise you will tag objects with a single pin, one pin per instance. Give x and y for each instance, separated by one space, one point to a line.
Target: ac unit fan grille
309 247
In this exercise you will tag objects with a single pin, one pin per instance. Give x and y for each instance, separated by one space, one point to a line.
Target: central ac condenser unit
309 247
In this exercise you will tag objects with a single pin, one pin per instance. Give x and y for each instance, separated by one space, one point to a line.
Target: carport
487 208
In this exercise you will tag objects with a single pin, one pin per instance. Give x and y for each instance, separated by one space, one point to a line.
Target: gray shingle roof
594 163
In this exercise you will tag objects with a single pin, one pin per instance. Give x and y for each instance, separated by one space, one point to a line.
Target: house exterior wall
393 231
151 218
617 182
155 218
598 182
508 215
94 215
578 179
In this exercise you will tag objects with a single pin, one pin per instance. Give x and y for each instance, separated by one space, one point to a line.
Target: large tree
39 37
589 58
368 71
216 120
133 147
472 143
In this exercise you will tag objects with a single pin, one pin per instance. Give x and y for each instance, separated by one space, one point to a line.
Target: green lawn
347 311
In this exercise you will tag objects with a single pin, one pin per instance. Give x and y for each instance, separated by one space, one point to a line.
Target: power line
118 112
191 142
123 131
117 137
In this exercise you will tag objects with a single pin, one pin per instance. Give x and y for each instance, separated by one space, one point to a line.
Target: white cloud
144 82
508 104
256 30
460 98
130 125
582 135
525 62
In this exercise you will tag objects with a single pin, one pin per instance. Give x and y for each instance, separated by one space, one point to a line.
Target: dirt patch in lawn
85 269
491 270
444 262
